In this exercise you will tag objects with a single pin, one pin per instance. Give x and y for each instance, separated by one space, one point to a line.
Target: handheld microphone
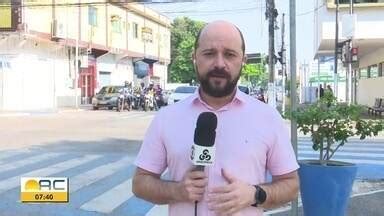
203 150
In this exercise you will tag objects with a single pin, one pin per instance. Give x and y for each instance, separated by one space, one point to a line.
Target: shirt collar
240 97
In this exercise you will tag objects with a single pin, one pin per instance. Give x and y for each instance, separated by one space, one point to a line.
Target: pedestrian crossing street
100 184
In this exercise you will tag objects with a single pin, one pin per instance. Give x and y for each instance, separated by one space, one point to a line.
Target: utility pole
77 56
292 57
282 56
348 81
335 76
271 14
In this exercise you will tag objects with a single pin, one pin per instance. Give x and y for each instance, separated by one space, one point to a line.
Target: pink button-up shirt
251 139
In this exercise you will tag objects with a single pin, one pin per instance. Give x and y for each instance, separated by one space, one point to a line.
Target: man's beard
214 90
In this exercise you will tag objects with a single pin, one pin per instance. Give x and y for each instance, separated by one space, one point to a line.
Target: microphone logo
202 155
205 155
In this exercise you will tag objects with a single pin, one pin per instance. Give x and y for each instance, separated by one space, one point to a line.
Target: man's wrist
260 196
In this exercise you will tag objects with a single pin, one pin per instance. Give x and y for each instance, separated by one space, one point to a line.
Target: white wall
160 70
369 89
121 70
372 58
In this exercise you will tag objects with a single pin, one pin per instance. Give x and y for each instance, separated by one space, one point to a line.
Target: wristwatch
260 196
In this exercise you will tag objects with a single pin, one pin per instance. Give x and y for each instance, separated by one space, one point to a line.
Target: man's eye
230 55
208 54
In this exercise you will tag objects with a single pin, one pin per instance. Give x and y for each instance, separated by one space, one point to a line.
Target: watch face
261 195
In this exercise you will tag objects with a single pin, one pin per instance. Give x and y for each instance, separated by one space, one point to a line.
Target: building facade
367 75
57 53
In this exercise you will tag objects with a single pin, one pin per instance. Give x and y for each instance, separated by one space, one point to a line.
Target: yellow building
116 42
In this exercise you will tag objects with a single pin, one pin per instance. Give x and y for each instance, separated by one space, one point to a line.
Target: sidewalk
364 200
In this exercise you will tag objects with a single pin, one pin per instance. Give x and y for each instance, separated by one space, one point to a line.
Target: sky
249 16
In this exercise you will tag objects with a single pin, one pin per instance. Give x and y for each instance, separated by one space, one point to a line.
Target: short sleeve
281 157
152 155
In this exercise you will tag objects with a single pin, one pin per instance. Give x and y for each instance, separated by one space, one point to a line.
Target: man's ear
193 57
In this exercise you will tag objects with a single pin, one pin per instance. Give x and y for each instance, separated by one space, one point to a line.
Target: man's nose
220 61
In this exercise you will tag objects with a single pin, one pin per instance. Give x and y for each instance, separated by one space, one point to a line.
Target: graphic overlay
44 189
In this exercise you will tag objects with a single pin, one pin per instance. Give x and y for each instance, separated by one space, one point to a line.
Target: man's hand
231 198
192 187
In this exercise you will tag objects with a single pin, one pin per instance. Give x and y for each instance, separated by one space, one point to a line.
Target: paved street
95 149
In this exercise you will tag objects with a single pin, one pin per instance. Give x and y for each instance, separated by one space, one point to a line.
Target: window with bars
359 1
363 73
135 28
116 23
373 71
92 16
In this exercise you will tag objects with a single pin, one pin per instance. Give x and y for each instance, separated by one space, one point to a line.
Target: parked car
181 93
244 89
106 97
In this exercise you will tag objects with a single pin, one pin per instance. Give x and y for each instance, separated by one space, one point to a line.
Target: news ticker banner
44 189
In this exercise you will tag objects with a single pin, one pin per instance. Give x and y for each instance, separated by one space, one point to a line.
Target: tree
183 34
255 74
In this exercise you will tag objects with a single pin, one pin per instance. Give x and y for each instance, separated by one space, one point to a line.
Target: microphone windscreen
205 132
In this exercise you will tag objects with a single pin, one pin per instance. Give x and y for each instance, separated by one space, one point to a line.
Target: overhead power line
311 11
212 11
80 4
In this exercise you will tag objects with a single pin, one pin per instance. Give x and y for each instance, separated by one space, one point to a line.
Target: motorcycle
148 102
137 101
124 102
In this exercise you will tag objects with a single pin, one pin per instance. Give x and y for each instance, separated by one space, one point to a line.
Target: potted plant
325 185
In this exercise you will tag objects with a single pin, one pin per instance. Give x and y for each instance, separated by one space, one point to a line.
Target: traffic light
354 52
281 57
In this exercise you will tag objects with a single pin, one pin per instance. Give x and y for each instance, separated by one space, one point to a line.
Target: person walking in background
321 91
236 182
329 89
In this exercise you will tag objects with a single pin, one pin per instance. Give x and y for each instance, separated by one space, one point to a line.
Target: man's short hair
241 36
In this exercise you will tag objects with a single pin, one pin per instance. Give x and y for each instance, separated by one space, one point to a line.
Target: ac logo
202 155
40 189
205 155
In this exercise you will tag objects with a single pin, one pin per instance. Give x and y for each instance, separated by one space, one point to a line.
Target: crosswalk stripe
355 161
7 154
352 144
138 115
13 182
345 154
146 117
158 210
103 203
21 163
349 148
133 115
94 175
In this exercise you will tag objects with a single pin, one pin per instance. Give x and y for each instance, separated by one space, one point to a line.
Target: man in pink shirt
251 139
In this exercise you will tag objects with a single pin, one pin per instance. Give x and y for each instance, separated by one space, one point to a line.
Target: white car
181 93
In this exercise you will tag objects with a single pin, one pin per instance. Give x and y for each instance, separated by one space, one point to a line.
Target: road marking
356 161
113 198
351 148
158 210
368 193
346 154
13 182
94 175
26 161
351 144
7 154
